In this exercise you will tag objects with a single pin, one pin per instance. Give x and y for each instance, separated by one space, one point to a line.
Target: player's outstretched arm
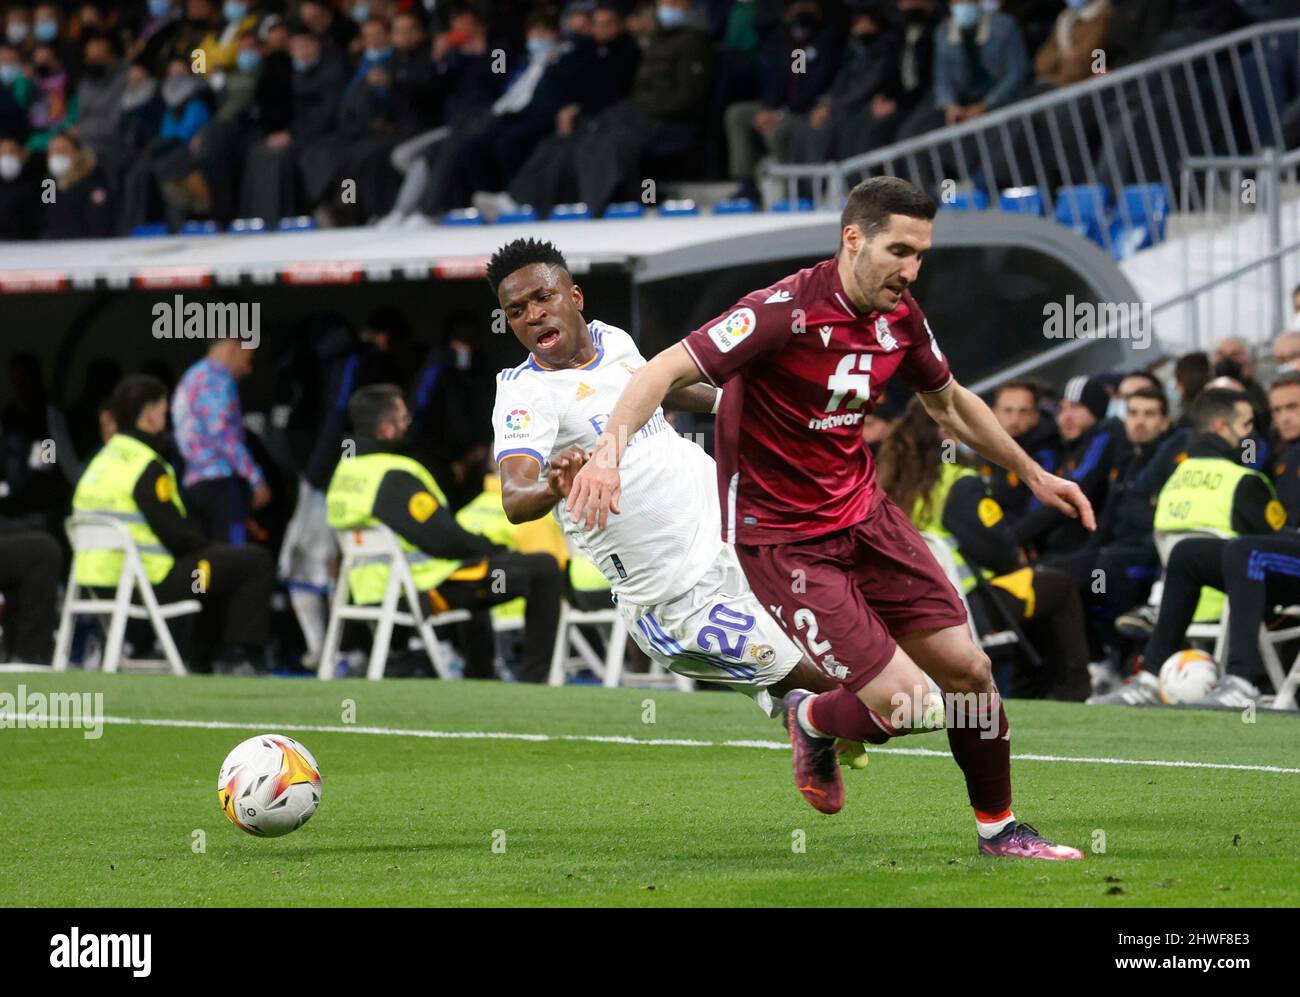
963 415
695 398
527 494
596 487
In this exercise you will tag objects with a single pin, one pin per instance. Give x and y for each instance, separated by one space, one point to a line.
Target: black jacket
983 534
1285 472
152 491
1043 443
1088 462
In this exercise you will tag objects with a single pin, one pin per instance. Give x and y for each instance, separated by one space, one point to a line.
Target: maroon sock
841 714
984 759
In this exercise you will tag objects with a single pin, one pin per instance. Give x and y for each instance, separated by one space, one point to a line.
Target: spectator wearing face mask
54 104
20 191
220 46
15 91
18 28
179 37
1286 352
99 103
156 21
48 29
82 207
141 107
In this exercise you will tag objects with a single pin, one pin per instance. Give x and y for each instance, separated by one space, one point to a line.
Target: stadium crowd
396 111
1207 443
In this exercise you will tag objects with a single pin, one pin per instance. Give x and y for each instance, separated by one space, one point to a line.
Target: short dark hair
1155 394
1192 373
872 201
1213 404
132 394
1287 379
1029 386
1146 375
371 405
519 254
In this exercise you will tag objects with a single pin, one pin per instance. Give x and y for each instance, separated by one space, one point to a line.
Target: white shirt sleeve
523 420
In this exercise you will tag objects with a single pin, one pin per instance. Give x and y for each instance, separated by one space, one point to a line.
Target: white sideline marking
672 742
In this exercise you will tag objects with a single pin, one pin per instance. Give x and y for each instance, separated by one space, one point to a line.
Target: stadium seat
378 544
200 228
526 213
975 200
1141 221
678 208
298 223
464 216
735 206
570 212
625 209
1085 209
1022 201
148 230
104 533
247 226
802 204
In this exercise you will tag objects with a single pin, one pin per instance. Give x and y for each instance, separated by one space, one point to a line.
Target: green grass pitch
408 820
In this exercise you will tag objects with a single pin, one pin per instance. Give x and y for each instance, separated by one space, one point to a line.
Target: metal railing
1135 125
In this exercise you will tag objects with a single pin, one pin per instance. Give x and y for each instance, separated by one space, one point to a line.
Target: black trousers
220 505
1256 573
1057 632
510 575
235 590
30 565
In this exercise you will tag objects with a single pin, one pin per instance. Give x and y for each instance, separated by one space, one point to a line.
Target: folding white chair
1286 683
378 545
568 639
943 554
104 533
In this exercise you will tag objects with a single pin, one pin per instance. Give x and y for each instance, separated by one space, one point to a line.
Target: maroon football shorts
846 597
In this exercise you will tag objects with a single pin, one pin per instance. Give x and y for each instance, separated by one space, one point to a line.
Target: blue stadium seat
1085 209
200 228
625 209
735 206
975 200
577 211
802 204
149 229
678 208
1147 205
1022 201
247 226
299 223
526 213
464 216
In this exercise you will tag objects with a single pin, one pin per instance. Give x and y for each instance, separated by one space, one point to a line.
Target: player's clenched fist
595 490
559 476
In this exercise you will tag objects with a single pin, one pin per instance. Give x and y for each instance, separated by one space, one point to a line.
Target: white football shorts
717 631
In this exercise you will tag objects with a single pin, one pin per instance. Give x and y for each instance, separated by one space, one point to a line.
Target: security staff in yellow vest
458 569
1210 489
129 480
955 503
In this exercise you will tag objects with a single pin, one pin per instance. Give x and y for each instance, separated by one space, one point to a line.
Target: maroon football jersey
800 368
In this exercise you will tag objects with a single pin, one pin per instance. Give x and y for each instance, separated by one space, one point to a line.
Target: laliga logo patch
732 329
518 422
883 336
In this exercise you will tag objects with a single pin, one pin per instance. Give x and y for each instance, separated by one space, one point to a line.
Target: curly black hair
519 254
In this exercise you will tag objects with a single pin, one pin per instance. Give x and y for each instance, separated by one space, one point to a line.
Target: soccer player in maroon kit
839 565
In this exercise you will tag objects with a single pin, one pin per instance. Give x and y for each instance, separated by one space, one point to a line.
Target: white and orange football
269 785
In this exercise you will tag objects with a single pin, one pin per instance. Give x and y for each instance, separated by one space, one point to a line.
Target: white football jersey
666 536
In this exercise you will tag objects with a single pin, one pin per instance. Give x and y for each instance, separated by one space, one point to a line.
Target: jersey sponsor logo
732 329
584 390
835 421
852 375
883 336
776 297
421 506
826 332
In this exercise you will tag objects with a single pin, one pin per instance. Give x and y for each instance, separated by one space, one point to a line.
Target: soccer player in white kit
678 586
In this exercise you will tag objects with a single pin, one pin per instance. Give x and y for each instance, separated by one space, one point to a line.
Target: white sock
309 608
804 717
993 828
